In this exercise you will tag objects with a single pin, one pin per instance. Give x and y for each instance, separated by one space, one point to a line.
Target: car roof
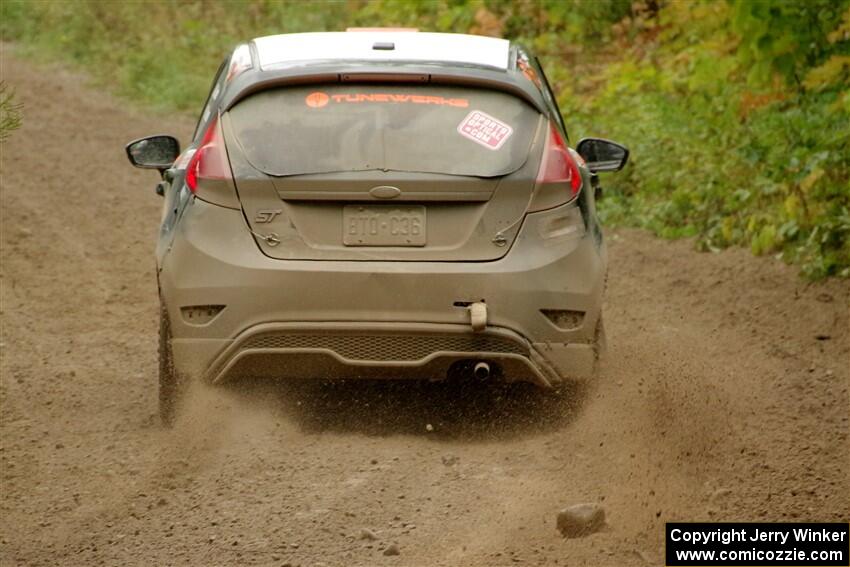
296 49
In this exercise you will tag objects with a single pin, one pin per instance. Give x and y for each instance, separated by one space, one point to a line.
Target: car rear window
428 128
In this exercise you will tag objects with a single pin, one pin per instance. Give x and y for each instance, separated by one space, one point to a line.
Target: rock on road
717 401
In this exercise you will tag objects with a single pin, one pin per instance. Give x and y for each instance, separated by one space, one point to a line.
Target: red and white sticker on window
483 129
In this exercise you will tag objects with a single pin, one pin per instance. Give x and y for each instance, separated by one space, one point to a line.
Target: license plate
383 225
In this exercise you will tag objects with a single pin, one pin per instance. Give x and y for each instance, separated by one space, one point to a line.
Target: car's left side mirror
602 155
153 152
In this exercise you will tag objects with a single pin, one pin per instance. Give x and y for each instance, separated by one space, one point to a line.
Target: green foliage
737 112
10 112
163 52
788 36
740 134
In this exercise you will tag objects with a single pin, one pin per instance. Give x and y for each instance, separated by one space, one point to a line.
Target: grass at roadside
10 112
737 114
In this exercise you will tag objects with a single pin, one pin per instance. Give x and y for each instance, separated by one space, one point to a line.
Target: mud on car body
378 205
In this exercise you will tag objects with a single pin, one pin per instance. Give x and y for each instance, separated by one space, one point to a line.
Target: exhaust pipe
481 371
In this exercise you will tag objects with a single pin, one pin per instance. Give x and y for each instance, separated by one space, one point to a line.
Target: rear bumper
324 319
375 350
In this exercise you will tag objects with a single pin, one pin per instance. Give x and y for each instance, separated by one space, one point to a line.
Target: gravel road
724 397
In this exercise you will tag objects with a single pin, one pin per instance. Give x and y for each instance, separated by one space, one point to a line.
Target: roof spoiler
492 81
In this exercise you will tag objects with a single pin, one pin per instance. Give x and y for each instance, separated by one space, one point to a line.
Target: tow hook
478 316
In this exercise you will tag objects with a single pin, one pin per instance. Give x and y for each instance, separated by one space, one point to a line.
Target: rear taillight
210 159
558 166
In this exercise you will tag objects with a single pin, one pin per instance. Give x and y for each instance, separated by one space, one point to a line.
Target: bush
736 141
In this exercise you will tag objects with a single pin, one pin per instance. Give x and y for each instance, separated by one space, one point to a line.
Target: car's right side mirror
602 155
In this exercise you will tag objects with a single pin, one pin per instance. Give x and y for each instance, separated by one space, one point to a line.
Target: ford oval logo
385 192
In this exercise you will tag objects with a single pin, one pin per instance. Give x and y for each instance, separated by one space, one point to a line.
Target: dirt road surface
724 397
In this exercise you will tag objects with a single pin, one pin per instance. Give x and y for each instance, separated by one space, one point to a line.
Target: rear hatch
384 172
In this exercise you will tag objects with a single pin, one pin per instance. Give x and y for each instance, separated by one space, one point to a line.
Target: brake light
558 166
210 159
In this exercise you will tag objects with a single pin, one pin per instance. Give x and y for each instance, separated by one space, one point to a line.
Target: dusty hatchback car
376 204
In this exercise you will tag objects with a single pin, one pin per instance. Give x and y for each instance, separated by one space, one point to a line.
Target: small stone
581 520
429 427
823 337
367 534
450 460
392 549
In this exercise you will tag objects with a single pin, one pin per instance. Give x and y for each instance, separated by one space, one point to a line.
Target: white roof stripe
277 51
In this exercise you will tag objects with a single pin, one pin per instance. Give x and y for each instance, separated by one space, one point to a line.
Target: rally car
378 204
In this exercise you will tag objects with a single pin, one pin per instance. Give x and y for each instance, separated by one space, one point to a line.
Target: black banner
762 544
